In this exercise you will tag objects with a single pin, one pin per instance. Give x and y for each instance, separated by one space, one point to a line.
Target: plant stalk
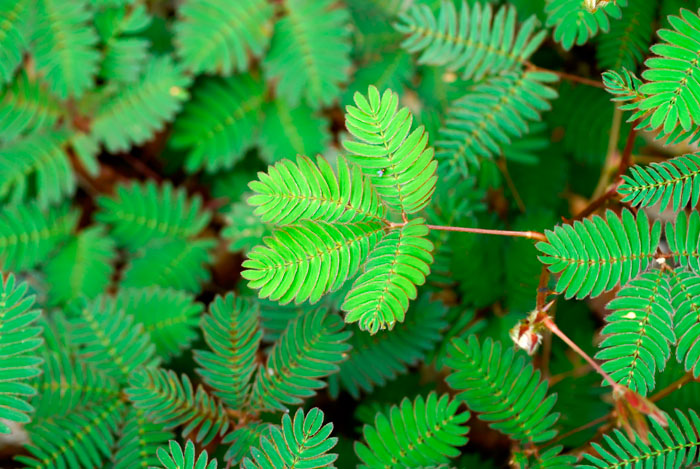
518 234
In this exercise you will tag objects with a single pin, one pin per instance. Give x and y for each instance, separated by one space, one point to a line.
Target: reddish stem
547 321
519 234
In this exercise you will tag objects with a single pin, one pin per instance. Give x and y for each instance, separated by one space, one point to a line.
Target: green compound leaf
674 182
28 235
426 432
65 46
639 332
683 238
575 23
675 446
139 441
288 131
172 263
486 121
375 360
14 36
19 338
595 255
474 41
133 116
82 267
232 332
399 161
380 296
36 167
290 192
110 339
169 317
672 77
685 291
125 56
176 458
309 57
140 213
499 385
307 260
220 123
310 349
82 438
219 36
26 107
173 402
627 42
300 443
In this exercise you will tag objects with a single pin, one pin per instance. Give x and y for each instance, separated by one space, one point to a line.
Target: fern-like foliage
375 360
173 263
486 120
168 316
14 36
595 255
380 296
683 238
674 182
625 45
218 36
82 267
311 348
473 41
26 107
243 229
290 192
83 438
36 167
243 439
302 442
28 234
673 79
685 289
233 335
309 56
425 432
219 123
140 213
173 402
110 339
64 46
139 441
177 458
639 332
66 384
675 446
575 23
502 388
399 161
125 54
289 131
133 116
327 253
624 86
18 339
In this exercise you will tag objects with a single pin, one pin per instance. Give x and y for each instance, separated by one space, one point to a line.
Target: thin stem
503 166
671 387
518 234
614 137
567 76
626 160
547 321
598 202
